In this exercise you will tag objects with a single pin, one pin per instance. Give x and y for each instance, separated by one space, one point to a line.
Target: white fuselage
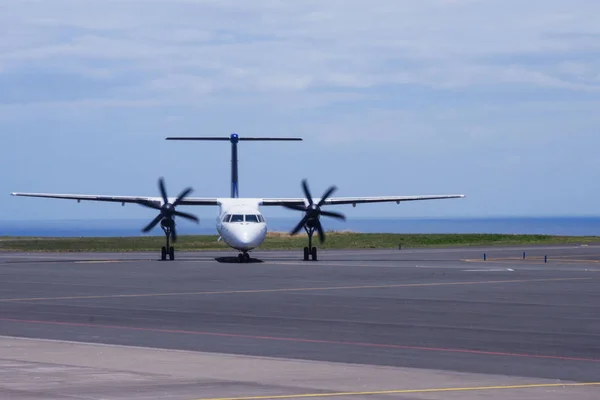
240 223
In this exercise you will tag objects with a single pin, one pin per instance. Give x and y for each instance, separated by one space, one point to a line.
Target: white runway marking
489 270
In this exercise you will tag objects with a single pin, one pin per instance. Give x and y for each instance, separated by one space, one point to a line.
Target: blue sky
496 99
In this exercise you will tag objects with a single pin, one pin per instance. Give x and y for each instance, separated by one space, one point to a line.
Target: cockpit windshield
249 218
237 218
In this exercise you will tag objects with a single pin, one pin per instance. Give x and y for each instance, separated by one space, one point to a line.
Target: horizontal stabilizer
199 138
271 138
228 138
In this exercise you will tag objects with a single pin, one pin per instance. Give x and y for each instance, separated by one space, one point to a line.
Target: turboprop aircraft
239 222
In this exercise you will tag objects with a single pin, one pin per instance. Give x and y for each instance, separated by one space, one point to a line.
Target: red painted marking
300 340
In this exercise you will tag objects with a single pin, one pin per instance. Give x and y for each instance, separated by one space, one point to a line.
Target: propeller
313 211
167 210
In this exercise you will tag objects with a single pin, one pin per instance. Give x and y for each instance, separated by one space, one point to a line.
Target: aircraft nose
246 239
251 237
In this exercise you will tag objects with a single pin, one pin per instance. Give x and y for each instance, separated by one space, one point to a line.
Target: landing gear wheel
310 252
163 253
244 257
171 253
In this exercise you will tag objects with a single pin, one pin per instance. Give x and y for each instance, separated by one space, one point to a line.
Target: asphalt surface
435 310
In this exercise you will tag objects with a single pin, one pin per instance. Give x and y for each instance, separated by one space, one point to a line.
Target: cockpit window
251 218
237 218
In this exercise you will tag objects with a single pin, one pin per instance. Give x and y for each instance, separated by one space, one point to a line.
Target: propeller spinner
167 210
313 212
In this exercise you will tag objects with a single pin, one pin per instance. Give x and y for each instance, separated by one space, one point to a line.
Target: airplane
239 223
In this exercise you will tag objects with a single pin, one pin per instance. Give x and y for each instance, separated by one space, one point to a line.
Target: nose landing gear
244 257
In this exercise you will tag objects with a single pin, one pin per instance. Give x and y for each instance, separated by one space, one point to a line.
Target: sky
494 99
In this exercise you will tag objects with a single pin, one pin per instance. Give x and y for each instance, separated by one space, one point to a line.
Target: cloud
335 68
211 47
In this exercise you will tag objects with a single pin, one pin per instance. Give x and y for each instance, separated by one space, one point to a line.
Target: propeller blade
294 207
320 231
307 192
163 191
187 216
334 214
326 195
300 225
183 195
152 224
173 234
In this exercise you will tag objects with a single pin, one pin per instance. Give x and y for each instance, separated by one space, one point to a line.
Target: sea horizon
546 225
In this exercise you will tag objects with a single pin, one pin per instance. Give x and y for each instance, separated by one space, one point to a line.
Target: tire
306 254
171 253
314 253
163 253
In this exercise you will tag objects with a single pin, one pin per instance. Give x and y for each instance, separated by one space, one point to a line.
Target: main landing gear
310 251
168 249
244 257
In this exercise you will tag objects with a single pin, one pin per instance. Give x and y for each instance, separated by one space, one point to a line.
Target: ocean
568 226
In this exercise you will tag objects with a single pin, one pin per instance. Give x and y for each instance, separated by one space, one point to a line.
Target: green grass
281 241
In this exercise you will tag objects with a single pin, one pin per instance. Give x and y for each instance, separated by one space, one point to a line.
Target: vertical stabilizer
234 139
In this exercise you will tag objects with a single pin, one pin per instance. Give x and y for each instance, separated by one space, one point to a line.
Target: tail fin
234 139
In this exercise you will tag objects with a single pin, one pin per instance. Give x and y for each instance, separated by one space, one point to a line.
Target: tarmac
403 323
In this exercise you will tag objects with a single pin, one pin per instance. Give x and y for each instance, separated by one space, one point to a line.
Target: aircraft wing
190 201
359 200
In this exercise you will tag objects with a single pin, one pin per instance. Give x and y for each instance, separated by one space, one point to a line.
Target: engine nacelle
167 223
